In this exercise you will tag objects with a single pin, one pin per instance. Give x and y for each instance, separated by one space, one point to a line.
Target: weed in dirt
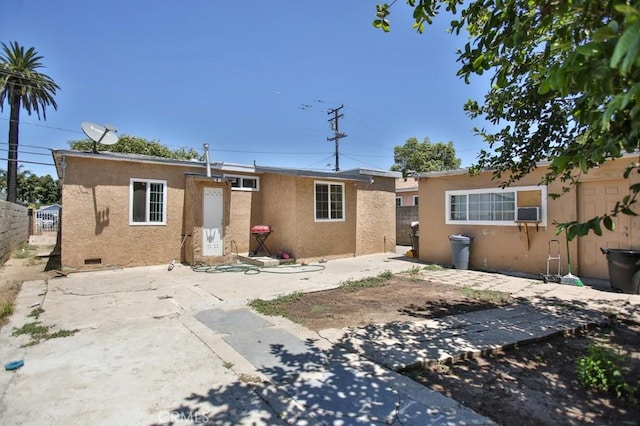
34 329
413 372
604 369
249 379
228 365
377 281
414 274
319 309
6 309
39 332
274 307
25 251
433 267
36 313
487 296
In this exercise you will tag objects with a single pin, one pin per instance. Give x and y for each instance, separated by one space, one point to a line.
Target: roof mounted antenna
99 134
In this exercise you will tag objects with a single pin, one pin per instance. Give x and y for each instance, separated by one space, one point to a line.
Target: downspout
206 158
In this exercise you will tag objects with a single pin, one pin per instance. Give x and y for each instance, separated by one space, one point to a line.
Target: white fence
46 221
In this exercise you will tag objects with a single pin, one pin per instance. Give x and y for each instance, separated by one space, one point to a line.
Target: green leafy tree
134 145
34 190
565 85
22 86
416 157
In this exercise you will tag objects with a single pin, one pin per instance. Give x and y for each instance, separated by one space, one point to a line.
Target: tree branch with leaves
565 86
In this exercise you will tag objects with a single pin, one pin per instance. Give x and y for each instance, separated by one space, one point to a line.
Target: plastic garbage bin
460 250
624 269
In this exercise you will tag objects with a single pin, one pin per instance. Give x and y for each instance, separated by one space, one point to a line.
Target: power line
28 162
28 152
41 125
360 161
320 161
28 146
337 135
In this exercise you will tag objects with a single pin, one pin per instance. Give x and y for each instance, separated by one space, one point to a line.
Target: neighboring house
128 210
477 207
407 192
47 218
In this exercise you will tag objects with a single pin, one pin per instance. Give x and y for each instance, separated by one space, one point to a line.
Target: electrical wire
27 152
41 125
29 146
27 162
362 162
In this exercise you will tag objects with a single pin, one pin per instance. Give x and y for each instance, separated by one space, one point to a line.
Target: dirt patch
403 298
535 384
25 265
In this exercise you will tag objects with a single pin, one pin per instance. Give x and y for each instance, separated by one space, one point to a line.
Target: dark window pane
139 201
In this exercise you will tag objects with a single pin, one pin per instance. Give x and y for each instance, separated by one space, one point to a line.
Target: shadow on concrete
324 387
356 381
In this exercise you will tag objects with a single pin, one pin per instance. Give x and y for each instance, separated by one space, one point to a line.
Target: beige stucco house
130 210
475 206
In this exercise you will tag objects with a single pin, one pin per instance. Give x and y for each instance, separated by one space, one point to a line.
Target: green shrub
6 309
604 369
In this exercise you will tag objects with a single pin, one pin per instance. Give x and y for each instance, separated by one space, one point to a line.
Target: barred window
148 202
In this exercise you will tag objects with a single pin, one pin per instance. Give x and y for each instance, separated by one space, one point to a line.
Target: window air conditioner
528 214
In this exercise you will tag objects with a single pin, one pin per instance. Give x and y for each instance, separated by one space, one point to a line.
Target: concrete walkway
181 347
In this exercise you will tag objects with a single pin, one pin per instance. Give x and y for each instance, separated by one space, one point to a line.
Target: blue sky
237 74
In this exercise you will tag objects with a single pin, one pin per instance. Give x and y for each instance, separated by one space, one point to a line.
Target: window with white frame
243 183
494 206
415 200
398 201
329 201
147 202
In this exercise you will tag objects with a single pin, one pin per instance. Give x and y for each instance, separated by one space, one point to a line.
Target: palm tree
22 86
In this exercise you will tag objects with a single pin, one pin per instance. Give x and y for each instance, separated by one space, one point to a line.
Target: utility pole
336 133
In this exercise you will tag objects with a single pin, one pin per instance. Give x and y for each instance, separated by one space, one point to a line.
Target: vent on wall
528 214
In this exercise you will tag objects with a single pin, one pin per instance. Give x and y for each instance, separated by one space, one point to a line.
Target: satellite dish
100 134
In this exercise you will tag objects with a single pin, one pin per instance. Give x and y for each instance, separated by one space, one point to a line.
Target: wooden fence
405 215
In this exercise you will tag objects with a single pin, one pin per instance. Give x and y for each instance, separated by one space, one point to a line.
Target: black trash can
460 250
624 269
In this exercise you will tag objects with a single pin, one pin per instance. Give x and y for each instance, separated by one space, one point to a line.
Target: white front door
212 226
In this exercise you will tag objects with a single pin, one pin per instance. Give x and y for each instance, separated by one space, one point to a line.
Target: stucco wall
288 205
95 225
14 228
246 211
503 248
96 232
376 221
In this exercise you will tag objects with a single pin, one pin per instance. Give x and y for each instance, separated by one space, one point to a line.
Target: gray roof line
354 174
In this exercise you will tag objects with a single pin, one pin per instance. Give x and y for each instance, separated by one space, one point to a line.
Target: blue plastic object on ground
14 365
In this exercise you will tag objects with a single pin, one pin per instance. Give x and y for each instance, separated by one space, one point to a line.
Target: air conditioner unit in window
528 214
